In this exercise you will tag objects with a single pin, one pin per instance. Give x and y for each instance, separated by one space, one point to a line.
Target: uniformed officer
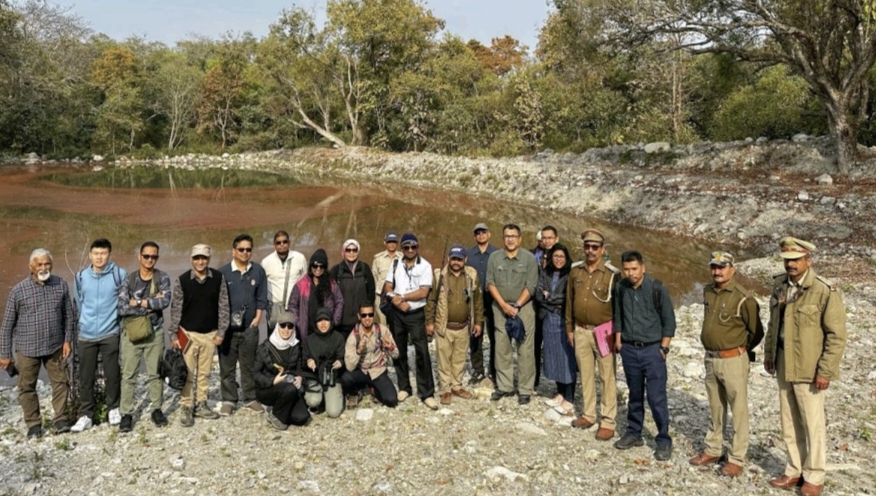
804 345
731 330
588 304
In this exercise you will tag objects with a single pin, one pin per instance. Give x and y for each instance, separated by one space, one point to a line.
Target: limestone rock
659 146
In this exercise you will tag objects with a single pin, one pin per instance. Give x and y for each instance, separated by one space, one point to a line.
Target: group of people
334 331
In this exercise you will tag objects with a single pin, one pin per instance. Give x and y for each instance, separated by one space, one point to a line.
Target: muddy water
40 207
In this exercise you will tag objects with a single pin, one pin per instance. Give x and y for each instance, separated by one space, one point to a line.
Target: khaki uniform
454 309
588 304
812 322
731 328
380 267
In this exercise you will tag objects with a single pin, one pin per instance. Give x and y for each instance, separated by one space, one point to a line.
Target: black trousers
353 381
239 346
537 344
413 324
287 403
476 344
108 349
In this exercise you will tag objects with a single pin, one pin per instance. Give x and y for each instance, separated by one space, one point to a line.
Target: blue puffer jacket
96 295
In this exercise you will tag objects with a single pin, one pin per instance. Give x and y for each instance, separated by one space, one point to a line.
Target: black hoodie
324 347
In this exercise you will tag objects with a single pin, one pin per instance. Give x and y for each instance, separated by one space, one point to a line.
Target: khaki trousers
28 372
803 426
150 350
199 361
727 385
452 348
525 353
589 362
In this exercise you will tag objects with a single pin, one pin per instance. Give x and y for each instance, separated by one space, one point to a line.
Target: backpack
117 279
172 369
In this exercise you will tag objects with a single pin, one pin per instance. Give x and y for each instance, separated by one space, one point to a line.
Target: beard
44 275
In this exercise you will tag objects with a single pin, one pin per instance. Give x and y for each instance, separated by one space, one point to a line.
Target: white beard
44 276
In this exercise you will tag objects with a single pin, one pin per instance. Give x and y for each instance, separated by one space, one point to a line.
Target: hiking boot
186 419
115 417
126 424
498 395
158 418
255 406
35 432
352 401
663 453
276 423
203 411
83 424
62 427
226 409
629 441
476 379
523 399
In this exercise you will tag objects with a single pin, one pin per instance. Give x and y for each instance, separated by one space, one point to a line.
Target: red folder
604 334
183 339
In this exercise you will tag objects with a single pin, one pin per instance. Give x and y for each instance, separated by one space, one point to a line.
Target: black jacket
324 347
357 288
264 372
555 300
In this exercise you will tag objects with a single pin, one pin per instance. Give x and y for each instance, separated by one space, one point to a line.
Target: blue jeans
645 370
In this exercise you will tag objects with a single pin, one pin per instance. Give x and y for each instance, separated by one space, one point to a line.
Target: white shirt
407 280
275 270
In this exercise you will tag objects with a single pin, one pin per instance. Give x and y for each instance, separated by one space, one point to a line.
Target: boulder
824 180
659 146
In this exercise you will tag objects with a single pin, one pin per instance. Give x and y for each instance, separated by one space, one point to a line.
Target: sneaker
663 453
431 403
523 399
403 395
83 424
565 408
158 418
476 379
275 423
186 419
352 401
555 401
629 441
255 406
115 417
205 412
226 409
126 424
35 432
62 427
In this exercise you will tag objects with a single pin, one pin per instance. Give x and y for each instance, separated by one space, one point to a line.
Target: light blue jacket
96 296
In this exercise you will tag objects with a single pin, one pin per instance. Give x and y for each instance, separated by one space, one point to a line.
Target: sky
169 21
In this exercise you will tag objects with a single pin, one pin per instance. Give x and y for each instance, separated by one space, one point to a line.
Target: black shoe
476 379
35 432
629 441
62 427
523 399
663 453
498 395
158 418
127 424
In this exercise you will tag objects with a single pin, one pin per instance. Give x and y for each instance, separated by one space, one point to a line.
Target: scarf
280 343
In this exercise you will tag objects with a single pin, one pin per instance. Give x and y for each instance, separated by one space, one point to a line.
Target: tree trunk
845 133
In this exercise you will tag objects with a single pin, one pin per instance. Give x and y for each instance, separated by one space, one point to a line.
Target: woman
279 375
324 355
559 356
314 291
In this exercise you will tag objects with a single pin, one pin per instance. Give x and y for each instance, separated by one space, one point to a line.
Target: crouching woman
278 374
324 355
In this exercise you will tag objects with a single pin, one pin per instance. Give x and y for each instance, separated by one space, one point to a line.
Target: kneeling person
368 349
278 375
324 355
454 309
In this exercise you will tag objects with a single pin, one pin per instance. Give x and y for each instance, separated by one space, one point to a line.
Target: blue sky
173 20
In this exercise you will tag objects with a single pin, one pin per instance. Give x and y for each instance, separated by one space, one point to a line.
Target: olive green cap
593 235
792 248
721 258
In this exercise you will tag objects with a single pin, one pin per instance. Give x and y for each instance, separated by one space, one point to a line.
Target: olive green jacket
815 328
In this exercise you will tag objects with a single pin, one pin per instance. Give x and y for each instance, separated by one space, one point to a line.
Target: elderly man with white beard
40 321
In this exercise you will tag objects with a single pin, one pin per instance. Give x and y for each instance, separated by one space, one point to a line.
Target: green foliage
160 178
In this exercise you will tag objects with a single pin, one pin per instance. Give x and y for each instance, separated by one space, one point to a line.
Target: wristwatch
665 350
139 302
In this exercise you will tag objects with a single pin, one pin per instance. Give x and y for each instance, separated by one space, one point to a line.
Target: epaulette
779 275
827 283
742 289
612 268
577 264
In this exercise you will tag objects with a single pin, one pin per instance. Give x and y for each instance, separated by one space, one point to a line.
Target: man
477 257
644 325
366 354
454 310
248 299
512 275
804 345
356 282
283 268
146 293
588 304
408 287
199 309
40 321
96 295
381 265
731 331
548 237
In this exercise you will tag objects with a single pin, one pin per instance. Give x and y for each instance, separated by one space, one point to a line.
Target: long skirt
559 356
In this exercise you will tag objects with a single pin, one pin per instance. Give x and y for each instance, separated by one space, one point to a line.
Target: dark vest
200 310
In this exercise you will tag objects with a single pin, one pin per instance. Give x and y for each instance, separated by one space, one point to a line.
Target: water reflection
44 208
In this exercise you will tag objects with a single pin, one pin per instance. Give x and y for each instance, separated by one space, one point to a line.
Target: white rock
308 485
552 415
178 464
693 370
659 146
827 200
500 472
364 414
97 158
799 138
872 376
592 455
530 429
803 196
445 411
824 180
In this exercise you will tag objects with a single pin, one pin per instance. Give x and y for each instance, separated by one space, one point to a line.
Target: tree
174 93
831 45
503 54
117 75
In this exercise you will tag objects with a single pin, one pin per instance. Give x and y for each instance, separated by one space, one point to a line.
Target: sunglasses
589 247
287 325
366 315
149 257
410 247
281 242
352 250
200 257
244 250
480 231
317 266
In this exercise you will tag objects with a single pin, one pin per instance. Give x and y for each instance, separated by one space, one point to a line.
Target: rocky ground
471 447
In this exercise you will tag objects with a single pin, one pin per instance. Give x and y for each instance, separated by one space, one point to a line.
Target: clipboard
604 334
183 338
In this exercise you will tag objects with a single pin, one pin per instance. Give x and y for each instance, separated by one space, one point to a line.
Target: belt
456 326
640 344
584 326
728 353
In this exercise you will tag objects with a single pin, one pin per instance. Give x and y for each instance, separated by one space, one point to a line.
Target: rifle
444 261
